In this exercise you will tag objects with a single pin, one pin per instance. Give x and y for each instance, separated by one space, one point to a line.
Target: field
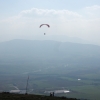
86 88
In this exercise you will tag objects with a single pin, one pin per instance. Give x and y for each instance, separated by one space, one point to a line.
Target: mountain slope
37 53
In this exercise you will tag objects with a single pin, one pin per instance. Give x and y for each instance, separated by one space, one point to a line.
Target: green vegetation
51 66
4 96
85 88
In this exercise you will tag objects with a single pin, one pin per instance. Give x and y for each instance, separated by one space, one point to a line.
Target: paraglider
46 25
44 33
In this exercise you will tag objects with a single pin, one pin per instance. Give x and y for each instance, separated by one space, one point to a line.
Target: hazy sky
20 19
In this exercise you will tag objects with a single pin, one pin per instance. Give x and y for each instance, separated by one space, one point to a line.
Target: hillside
51 66
48 49
36 53
31 97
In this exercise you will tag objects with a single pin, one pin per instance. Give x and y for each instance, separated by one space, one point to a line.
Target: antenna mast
27 84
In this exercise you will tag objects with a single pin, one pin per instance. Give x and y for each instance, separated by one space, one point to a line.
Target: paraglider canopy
44 24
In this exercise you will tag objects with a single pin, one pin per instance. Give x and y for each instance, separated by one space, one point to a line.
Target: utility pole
27 84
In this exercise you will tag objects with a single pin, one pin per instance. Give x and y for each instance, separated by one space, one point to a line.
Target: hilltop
7 96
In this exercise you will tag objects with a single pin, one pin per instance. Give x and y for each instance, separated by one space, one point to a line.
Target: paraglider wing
44 24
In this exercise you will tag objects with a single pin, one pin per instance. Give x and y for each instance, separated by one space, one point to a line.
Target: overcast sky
20 19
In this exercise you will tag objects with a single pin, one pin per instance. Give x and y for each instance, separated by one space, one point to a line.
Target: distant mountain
62 38
48 52
48 49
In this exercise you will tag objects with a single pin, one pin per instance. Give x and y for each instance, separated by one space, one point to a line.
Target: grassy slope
30 97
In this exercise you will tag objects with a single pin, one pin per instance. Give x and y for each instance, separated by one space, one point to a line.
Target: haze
73 19
66 58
